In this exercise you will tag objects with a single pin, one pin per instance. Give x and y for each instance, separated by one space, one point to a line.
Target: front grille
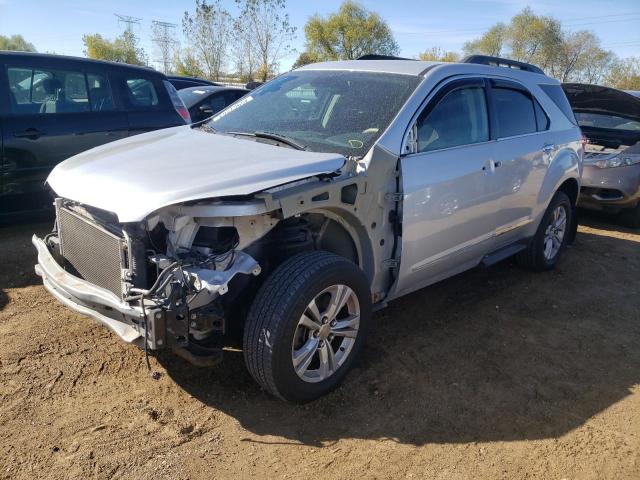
94 253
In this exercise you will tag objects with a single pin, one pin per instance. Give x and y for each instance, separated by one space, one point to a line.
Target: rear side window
46 91
99 93
460 118
514 112
555 93
141 92
541 117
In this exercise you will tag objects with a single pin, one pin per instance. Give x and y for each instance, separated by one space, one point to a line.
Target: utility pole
128 21
131 38
165 41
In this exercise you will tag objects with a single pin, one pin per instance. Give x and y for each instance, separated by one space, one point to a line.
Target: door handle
30 133
548 148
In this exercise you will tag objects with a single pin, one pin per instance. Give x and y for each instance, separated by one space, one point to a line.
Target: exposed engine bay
186 277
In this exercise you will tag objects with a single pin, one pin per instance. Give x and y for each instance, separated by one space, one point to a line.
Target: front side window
47 91
141 93
460 118
326 111
514 112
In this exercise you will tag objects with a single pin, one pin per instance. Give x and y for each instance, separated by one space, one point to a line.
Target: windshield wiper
271 136
280 138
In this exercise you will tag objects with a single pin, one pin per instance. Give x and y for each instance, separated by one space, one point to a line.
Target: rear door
57 108
146 101
450 202
520 159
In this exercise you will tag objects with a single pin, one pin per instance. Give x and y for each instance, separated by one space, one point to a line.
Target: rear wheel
544 250
307 326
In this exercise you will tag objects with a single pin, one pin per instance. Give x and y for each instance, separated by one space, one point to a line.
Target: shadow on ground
490 355
16 271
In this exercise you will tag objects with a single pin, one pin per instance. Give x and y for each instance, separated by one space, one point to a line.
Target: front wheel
307 326
553 234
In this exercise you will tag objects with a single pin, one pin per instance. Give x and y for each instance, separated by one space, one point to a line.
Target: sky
58 25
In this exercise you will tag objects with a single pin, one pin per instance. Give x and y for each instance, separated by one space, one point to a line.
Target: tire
536 256
275 330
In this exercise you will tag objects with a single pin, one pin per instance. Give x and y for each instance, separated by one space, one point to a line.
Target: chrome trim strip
521 222
458 248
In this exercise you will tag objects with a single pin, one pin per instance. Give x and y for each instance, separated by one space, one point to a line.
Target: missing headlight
216 240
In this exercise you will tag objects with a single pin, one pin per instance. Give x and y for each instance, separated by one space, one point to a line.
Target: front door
450 200
55 111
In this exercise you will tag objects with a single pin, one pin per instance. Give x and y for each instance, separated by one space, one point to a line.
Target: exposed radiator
95 254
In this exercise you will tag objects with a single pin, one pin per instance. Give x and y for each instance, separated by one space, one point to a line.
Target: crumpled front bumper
170 325
124 320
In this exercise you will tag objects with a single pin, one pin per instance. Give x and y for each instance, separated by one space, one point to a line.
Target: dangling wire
146 332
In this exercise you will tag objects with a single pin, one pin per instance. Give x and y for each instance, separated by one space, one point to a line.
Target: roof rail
502 62
375 56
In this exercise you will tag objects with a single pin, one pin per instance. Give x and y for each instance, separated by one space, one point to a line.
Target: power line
164 39
567 23
128 21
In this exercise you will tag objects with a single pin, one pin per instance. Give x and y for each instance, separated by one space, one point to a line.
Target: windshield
601 120
326 111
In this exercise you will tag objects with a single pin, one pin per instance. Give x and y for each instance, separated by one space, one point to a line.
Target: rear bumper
124 320
610 189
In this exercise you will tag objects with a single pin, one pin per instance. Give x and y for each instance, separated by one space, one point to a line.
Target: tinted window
141 93
460 118
217 102
47 91
327 111
541 117
514 112
556 94
100 96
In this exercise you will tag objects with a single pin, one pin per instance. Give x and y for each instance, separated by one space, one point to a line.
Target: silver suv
288 217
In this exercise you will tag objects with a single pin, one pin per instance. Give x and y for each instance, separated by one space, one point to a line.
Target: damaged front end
163 283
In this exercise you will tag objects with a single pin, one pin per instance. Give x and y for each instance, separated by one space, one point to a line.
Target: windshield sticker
238 104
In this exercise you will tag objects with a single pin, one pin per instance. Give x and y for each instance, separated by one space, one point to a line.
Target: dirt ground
496 373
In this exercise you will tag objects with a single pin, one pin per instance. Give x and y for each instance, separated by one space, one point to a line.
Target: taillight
177 102
184 113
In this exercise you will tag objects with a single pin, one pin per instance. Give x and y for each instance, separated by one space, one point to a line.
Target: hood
138 175
587 98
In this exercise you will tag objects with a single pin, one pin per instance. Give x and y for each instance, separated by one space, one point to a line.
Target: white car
297 210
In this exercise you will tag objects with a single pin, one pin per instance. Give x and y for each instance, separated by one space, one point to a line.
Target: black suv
53 107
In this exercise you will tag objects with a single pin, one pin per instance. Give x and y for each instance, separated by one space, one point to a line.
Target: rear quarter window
141 93
556 94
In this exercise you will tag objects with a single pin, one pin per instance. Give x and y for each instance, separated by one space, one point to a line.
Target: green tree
305 58
123 49
187 64
208 33
491 43
16 42
538 39
625 74
348 34
436 54
267 26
